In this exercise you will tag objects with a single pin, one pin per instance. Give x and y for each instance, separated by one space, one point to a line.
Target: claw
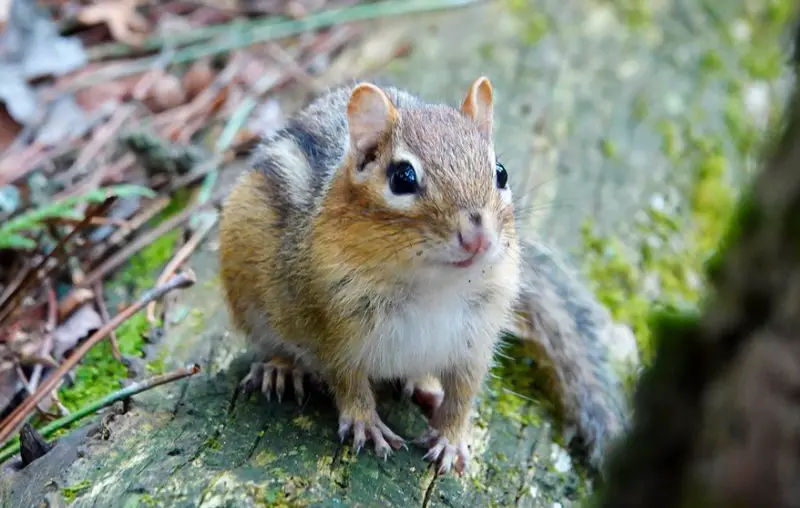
248 384
382 448
344 426
359 436
266 381
446 455
408 388
382 436
271 376
280 383
297 383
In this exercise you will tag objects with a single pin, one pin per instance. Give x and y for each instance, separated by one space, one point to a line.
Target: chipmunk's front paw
446 454
271 376
370 428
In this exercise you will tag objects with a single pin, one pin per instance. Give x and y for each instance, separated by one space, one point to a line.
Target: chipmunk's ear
478 104
370 116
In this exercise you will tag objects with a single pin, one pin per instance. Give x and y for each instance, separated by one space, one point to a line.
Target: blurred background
627 127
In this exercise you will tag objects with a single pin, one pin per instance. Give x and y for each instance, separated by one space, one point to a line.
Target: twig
109 174
72 301
196 174
159 155
101 306
117 237
93 407
235 123
296 70
95 221
100 138
8 303
183 114
47 343
239 34
112 263
180 257
17 417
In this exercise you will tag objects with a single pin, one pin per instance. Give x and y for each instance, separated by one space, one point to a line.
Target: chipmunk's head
423 180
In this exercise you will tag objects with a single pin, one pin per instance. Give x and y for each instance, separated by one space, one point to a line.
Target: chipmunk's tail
570 333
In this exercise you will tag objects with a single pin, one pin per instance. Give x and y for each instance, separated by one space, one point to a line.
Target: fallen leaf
199 76
30 48
123 209
167 93
32 43
120 17
78 326
10 384
5 9
21 101
9 129
65 120
254 71
74 300
93 98
10 199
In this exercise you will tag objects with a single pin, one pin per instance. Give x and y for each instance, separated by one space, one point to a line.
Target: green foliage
73 491
14 234
99 373
665 268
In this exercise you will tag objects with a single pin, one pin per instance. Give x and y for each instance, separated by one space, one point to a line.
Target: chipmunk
374 239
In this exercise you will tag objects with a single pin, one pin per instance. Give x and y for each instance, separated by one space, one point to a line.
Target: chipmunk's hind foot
271 377
426 391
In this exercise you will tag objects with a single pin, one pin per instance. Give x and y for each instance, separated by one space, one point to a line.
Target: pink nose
472 234
473 243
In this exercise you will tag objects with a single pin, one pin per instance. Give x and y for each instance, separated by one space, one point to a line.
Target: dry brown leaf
167 93
120 17
5 9
10 383
9 128
199 76
91 99
74 300
76 327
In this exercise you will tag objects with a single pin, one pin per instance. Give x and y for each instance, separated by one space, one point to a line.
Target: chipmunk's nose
472 233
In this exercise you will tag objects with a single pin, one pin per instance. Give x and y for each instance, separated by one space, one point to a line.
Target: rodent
375 239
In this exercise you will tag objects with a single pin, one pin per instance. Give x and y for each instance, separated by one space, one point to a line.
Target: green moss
667 258
633 12
212 443
665 266
761 57
99 373
147 500
486 50
534 24
608 149
711 62
158 364
73 491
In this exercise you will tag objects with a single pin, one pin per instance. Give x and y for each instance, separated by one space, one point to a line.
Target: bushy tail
570 333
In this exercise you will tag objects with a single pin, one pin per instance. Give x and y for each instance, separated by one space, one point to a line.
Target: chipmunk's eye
402 178
501 174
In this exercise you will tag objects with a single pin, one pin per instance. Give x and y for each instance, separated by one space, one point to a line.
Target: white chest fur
433 331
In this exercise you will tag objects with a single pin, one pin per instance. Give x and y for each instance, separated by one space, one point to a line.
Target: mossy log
588 99
195 444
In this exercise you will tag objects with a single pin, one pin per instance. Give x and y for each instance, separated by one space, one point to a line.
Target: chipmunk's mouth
467 262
